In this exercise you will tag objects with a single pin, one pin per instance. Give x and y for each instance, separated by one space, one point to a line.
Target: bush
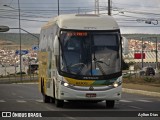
149 79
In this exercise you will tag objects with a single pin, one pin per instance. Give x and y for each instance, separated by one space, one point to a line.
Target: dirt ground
146 83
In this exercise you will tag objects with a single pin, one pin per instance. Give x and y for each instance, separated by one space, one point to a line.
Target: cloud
41 10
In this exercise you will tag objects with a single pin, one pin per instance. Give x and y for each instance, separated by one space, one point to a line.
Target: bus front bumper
67 93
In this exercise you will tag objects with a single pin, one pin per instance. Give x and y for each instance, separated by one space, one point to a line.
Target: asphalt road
25 97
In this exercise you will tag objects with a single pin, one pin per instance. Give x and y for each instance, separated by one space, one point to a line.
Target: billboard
139 55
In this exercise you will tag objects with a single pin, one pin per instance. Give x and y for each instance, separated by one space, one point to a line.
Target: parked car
147 71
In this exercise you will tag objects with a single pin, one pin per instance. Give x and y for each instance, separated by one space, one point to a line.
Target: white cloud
32 8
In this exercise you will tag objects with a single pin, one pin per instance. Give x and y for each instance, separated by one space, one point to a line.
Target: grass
141 87
151 84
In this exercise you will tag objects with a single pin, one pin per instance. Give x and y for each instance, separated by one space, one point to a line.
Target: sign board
35 47
139 55
23 52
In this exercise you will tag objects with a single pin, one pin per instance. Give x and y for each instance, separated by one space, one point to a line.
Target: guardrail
16 78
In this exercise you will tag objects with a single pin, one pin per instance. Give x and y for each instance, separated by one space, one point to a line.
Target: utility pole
58 7
142 52
109 7
96 6
156 51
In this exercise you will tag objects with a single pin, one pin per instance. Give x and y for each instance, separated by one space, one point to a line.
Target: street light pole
20 44
19 21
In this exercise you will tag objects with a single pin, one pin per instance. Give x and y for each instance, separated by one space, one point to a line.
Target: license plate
90 95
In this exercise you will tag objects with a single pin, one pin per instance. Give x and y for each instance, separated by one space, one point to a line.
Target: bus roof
83 22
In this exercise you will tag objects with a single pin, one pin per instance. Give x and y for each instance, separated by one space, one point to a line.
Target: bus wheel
52 100
110 103
46 99
59 103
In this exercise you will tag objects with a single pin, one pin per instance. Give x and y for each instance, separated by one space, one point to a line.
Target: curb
154 94
30 83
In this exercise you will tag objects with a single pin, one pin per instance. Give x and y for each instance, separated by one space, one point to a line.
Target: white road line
135 107
2 101
30 83
21 101
13 93
143 100
127 101
20 96
71 118
51 109
39 100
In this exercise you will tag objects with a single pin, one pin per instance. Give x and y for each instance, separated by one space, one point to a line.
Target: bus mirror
125 46
56 45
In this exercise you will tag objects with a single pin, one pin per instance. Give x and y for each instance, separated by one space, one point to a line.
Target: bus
80 58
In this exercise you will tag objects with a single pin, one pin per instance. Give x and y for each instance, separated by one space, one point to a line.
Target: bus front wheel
110 103
46 99
59 103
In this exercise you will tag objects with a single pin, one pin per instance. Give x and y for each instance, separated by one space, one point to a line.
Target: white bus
80 59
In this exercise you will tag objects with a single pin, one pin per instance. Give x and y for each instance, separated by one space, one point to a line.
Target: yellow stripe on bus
79 82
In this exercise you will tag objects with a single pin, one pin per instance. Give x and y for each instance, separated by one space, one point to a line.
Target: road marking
39 101
127 101
51 109
13 93
66 116
21 101
143 100
30 83
20 96
2 101
135 107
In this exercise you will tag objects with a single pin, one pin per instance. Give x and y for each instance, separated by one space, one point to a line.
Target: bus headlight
65 84
115 84
118 82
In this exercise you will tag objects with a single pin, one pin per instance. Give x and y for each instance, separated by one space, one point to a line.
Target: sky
131 15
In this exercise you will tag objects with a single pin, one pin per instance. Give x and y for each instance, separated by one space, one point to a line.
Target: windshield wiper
99 66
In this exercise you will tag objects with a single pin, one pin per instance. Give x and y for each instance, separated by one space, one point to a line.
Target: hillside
27 39
13 38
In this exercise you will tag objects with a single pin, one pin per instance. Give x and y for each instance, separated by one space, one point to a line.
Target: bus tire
46 99
42 86
110 103
59 103
53 99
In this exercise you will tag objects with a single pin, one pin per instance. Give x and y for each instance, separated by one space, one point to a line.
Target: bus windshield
90 53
